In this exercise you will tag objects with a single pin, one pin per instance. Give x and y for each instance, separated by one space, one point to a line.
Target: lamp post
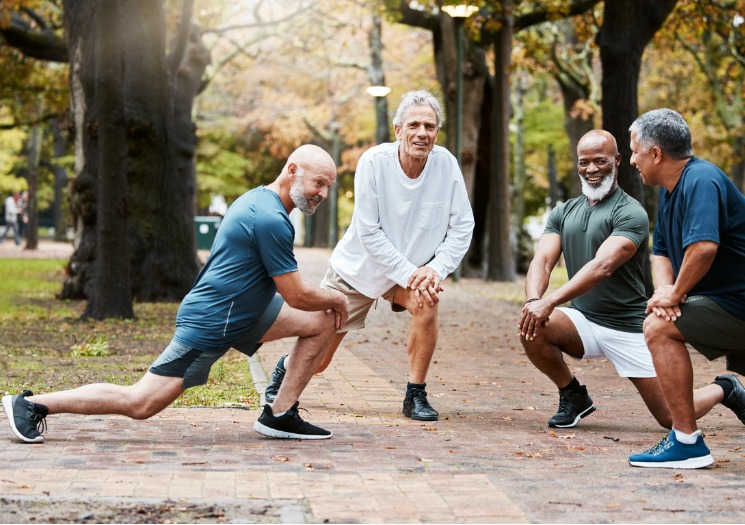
459 13
334 126
381 112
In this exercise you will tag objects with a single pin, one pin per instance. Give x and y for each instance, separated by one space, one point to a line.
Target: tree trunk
501 263
110 293
34 158
60 181
159 143
628 26
377 78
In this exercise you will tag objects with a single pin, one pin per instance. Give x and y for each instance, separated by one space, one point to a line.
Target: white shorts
626 350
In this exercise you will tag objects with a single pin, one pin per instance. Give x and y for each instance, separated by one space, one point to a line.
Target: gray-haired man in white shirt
412 224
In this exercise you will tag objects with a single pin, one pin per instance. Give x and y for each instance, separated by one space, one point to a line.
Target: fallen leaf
280 458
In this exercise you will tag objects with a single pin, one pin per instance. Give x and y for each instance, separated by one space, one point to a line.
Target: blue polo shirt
253 244
706 206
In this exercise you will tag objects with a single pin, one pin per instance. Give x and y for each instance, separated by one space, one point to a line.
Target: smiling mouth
593 180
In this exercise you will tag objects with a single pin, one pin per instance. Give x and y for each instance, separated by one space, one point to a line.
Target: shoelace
41 422
660 446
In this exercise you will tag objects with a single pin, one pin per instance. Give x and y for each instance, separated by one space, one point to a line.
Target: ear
397 132
292 170
656 154
618 159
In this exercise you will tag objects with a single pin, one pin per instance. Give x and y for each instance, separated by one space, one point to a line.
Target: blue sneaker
671 453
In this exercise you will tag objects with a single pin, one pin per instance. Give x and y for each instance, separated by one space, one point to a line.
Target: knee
427 313
654 329
143 408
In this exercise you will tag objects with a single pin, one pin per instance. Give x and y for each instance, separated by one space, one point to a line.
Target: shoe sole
420 418
281 434
8 407
576 420
690 463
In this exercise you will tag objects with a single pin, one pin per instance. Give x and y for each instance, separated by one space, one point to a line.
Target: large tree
153 106
628 26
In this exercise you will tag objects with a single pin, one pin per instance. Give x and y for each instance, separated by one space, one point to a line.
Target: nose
324 192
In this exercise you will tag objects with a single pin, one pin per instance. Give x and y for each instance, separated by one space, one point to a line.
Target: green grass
46 347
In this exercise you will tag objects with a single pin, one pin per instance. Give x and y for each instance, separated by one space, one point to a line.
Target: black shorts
713 331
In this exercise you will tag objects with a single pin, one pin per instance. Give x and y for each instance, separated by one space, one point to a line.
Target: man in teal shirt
248 293
603 235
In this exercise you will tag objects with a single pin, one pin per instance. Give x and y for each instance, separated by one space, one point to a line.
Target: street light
334 127
381 112
459 13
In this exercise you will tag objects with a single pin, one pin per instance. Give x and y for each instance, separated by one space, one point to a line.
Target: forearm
697 261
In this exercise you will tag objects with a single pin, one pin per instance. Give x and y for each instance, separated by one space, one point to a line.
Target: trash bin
205 229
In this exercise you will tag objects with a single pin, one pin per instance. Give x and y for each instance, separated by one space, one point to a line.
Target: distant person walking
698 266
249 292
11 219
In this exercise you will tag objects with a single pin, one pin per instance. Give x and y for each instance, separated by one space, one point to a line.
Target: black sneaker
736 399
573 406
272 389
26 418
288 426
417 407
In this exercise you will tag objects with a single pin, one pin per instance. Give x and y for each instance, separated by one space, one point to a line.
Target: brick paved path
490 459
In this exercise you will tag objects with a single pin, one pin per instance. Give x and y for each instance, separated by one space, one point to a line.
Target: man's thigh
359 304
712 331
297 323
564 330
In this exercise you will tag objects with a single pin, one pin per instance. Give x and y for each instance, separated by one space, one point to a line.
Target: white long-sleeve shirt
400 224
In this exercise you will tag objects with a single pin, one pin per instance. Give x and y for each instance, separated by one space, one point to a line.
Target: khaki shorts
359 304
712 331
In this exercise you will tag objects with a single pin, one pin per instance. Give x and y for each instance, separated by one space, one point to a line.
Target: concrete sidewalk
490 459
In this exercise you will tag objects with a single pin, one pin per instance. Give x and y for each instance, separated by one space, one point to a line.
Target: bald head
599 138
310 157
306 179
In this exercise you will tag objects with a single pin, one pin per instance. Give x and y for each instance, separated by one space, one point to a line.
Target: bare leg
313 330
704 399
674 370
423 333
147 397
557 337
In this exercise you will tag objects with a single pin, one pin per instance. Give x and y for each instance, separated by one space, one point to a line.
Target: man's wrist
531 300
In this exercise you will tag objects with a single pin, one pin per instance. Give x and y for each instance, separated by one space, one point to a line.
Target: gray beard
299 199
599 193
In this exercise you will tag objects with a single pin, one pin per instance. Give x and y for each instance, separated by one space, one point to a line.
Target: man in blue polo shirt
249 292
698 260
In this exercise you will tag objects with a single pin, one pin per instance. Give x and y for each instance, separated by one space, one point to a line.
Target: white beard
305 204
600 192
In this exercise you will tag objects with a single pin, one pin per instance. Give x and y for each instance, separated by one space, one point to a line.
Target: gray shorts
179 360
359 304
713 332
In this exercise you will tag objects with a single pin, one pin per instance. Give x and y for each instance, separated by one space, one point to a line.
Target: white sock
688 439
280 414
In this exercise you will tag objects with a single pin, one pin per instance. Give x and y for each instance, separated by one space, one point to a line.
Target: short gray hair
417 98
666 129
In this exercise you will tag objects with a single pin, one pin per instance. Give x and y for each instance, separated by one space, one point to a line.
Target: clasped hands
663 303
426 284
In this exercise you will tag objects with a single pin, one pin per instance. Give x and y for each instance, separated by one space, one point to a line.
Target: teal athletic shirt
253 244
619 301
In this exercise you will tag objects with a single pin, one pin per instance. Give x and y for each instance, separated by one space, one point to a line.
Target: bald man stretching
603 235
249 292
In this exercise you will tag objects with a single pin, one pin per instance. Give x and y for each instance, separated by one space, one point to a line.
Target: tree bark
501 263
628 26
159 140
110 293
